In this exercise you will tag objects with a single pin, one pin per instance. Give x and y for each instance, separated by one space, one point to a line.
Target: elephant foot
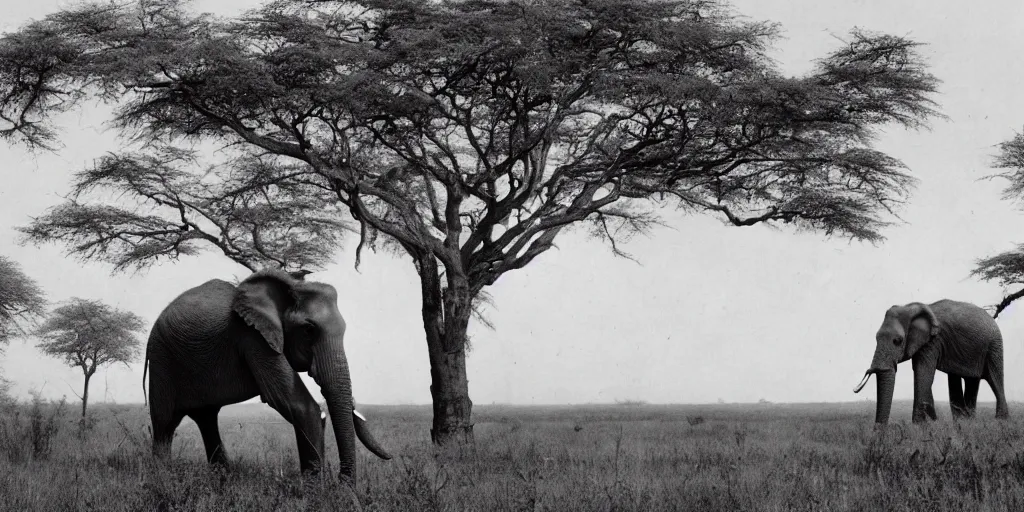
923 413
162 451
221 462
347 481
218 457
310 468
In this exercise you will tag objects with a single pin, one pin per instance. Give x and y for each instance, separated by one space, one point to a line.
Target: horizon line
624 404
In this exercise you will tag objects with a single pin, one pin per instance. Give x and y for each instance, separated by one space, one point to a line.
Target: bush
5 393
30 435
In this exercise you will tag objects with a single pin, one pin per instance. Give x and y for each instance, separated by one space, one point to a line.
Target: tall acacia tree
89 334
466 135
1007 268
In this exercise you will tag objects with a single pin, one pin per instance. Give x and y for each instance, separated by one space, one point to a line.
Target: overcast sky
711 312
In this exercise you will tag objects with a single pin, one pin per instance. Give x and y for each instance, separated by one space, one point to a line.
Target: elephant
218 344
957 338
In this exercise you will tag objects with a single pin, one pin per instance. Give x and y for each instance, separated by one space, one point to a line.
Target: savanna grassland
585 458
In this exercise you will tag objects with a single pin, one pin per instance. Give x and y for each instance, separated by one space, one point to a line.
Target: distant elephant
957 338
219 344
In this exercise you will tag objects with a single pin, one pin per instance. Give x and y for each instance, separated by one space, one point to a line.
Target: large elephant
957 338
219 344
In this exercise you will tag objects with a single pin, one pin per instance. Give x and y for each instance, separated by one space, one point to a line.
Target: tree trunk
449 389
446 316
85 393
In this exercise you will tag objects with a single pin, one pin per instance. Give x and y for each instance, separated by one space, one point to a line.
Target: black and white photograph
511 255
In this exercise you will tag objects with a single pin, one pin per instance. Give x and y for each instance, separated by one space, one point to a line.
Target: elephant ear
261 301
921 326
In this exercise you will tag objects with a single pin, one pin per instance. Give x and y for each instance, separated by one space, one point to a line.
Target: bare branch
1005 303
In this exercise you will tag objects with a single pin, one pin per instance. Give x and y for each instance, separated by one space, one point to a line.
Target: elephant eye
309 327
897 341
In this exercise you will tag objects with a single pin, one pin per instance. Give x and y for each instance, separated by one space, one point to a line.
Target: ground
625 457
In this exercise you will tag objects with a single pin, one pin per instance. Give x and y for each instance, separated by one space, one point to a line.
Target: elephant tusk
357 415
863 382
323 415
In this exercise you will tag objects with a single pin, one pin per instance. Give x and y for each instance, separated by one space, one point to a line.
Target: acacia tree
465 135
20 299
1007 268
89 334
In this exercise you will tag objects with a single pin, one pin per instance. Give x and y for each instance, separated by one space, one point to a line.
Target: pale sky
712 312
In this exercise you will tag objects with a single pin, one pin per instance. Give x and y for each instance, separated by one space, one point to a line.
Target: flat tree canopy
88 334
466 135
1007 268
20 299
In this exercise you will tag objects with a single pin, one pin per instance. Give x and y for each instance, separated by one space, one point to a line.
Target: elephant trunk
885 359
883 366
886 383
332 375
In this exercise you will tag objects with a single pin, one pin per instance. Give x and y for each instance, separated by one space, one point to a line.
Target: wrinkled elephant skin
957 338
219 344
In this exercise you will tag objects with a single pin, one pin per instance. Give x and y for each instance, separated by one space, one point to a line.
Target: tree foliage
1007 268
256 214
436 124
89 334
20 299
465 134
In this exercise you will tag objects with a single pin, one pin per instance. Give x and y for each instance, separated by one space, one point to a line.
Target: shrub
32 434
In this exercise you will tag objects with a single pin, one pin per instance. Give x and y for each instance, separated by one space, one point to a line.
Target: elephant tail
145 366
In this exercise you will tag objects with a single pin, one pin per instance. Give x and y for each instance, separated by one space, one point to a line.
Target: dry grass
592 458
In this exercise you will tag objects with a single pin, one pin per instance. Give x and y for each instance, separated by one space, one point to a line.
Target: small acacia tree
466 135
1007 268
89 334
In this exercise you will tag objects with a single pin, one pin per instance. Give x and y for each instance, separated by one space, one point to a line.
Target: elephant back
967 319
198 314
967 333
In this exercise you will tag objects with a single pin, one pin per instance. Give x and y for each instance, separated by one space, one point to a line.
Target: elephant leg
971 385
929 405
164 415
956 397
283 390
309 440
994 376
924 376
206 420
164 426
